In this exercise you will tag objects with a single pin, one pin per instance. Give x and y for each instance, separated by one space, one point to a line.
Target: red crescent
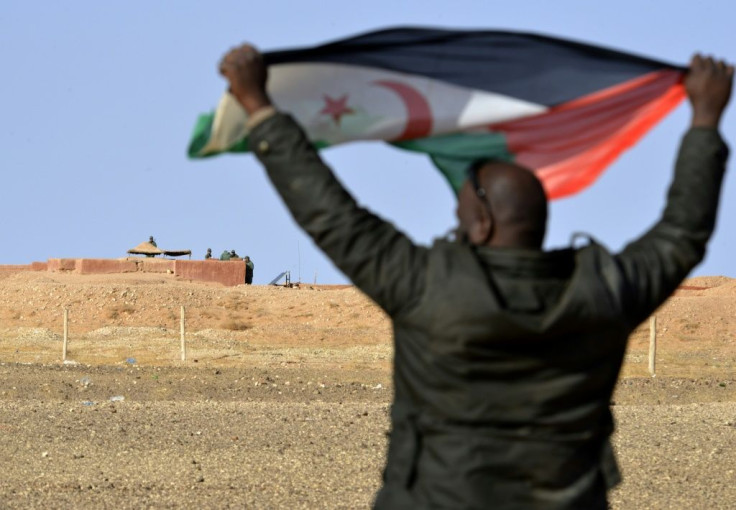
419 114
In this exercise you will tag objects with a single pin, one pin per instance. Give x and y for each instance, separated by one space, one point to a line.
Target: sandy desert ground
283 399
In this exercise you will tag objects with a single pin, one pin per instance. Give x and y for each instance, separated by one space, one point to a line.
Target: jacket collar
527 262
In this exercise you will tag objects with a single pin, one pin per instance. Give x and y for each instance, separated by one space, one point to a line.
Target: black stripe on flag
536 68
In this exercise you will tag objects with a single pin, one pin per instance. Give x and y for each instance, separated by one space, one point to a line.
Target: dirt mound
113 317
709 281
725 289
124 314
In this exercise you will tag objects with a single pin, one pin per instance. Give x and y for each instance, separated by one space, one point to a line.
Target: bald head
512 212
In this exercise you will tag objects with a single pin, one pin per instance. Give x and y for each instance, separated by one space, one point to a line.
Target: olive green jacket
505 359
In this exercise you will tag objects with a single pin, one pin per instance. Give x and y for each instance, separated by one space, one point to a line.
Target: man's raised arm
655 264
379 259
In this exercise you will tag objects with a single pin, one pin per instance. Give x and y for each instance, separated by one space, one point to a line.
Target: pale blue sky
98 100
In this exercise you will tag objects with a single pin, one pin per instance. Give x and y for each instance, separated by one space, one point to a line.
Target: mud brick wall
12 268
61 264
101 266
227 273
151 265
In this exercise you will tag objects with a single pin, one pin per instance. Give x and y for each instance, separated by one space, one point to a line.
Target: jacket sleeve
655 264
381 261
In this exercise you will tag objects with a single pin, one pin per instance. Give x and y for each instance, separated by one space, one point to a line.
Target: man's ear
481 230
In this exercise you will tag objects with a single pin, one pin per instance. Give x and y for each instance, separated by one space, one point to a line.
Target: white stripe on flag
338 103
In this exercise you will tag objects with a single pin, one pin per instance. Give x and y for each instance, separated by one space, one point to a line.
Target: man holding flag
506 355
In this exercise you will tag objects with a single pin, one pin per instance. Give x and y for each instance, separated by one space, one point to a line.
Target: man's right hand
244 69
708 85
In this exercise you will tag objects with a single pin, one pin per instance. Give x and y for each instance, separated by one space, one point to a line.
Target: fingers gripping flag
564 109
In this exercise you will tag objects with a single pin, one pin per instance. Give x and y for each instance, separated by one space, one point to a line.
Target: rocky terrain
282 400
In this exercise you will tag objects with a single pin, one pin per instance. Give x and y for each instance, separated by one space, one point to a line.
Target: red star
336 108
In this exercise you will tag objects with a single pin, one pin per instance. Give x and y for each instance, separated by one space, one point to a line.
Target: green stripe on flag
454 153
201 136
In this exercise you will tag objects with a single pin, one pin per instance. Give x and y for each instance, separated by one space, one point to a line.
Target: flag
564 109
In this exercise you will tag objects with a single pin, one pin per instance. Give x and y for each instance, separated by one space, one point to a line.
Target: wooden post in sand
66 334
652 343
183 346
